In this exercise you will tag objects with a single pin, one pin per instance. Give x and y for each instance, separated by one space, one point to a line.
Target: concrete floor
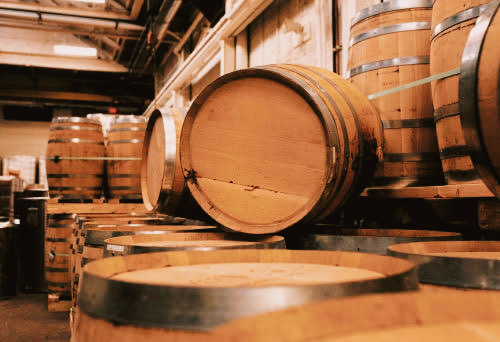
25 318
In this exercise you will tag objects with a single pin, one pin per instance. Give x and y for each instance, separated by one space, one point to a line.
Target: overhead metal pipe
113 24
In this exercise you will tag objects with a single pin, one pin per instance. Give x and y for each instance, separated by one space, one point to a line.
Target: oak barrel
389 47
451 24
464 264
187 241
363 240
74 158
479 89
265 148
214 287
124 140
333 318
58 256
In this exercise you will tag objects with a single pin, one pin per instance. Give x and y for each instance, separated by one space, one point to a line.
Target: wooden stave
366 240
455 155
398 274
331 318
311 79
462 272
92 241
60 175
168 199
58 253
125 139
415 163
473 87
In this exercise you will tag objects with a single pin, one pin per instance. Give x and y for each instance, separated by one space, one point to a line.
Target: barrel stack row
84 163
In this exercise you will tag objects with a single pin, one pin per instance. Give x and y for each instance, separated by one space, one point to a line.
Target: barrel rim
389 6
75 119
457 18
164 202
313 100
222 304
451 270
468 98
120 243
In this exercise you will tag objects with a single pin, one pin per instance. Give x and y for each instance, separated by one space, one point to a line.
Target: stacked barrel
124 149
390 47
75 158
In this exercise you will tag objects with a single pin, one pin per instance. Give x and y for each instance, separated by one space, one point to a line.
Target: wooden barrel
467 264
364 240
162 179
362 4
451 24
209 289
389 47
269 147
81 140
58 255
479 96
136 244
90 244
333 318
124 140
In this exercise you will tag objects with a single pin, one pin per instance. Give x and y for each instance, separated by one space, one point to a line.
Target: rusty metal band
387 63
56 269
445 111
127 129
75 128
338 178
74 175
125 175
410 157
79 188
456 19
380 31
50 239
465 272
74 119
125 141
456 151
361 143
469 99
76 141
359 240
390 6
408 123
134 188
203 308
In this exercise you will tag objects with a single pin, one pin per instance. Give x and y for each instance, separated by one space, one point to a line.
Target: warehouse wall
22 137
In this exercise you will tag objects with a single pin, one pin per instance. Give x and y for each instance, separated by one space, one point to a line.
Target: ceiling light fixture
71 50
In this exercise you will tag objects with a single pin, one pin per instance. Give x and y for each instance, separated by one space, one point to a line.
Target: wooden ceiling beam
53 95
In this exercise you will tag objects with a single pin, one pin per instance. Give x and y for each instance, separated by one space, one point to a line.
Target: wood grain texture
410 104
446 54
125 139
263 149
331 318
79 139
